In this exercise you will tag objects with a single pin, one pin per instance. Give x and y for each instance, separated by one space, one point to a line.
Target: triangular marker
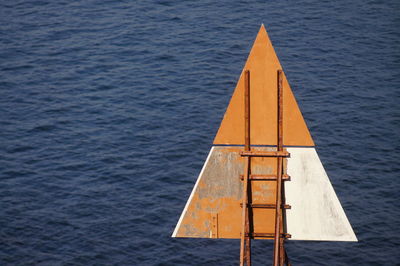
213 209
263 65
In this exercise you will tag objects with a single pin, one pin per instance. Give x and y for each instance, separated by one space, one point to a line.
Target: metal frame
245 245
280 256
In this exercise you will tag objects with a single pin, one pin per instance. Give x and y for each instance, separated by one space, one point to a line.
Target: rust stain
219 192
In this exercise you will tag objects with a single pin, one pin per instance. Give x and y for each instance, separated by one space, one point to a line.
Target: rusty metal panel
213 209
218 193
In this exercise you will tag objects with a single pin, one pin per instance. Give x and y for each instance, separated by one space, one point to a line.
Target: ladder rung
265 153
266 206
270 235
266 177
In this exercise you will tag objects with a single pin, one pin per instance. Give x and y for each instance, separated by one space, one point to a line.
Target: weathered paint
263 65
213 209
218 191
316 212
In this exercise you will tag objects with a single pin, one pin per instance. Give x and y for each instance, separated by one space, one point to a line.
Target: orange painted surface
263 65
218 196
213 210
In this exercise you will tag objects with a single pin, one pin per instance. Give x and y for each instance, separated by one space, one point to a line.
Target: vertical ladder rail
245 246
278 241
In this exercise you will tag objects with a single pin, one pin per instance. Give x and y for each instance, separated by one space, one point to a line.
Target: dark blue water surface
109 108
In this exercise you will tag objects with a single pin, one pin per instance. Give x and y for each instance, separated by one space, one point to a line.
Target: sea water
109 108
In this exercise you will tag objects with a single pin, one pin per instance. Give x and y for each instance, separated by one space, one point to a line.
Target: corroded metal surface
278 239
315 213
218 191
245 240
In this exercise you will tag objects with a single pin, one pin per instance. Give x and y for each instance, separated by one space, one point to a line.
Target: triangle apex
262 31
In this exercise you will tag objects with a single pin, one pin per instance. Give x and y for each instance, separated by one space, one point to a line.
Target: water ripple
108 110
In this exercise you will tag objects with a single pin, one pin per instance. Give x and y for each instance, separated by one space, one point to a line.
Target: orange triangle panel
263 65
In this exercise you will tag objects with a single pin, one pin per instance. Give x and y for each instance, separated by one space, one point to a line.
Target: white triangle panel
316 213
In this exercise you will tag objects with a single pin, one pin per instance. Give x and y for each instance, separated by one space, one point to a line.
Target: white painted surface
191 194
316 212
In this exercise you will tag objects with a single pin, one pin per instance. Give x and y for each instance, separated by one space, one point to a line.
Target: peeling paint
219 191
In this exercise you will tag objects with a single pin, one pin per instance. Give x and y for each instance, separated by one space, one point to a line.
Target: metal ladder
280 257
